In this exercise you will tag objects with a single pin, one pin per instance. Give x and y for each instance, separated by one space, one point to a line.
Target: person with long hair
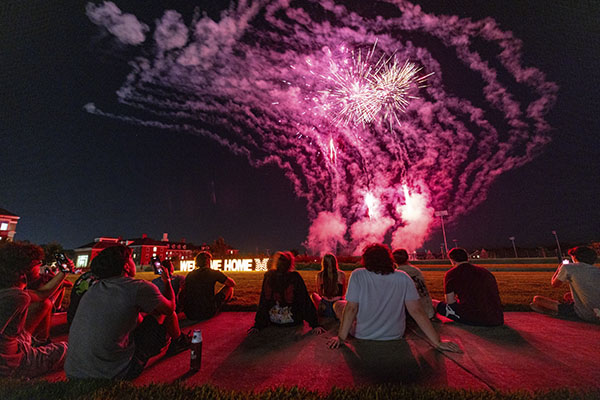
331 286
284 300
377 298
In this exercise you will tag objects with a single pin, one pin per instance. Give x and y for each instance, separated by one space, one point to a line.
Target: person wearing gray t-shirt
583 279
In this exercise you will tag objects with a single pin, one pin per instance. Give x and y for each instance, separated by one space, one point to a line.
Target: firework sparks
332 151
363 91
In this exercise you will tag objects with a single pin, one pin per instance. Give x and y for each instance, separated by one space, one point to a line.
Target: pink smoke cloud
257 82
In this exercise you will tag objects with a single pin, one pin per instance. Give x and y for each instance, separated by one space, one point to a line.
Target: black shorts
566 310
150 339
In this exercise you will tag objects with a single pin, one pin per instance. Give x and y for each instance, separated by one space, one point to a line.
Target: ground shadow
384 362
260 356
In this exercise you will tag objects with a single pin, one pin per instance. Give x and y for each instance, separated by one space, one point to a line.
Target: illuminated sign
230 264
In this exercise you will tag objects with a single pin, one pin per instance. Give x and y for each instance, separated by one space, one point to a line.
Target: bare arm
416 311
348 317
229 282
47 290
557 278
167 305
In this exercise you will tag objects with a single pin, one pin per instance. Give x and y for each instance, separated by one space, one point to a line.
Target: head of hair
377 258
329 274
15 262
203 259
283 261
400 256
584 254
458 254
110 261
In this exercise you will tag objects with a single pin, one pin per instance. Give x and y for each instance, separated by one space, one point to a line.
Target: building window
3 226
82 260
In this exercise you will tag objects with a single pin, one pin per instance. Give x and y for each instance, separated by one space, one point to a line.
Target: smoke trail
256 81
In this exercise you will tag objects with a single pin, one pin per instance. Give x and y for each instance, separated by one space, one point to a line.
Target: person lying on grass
121 322
284 300
583 278
376 300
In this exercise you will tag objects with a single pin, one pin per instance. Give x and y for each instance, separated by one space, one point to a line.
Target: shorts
566 310
150 339
326 308
39 360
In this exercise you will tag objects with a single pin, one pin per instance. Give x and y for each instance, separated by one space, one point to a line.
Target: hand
318 330
334 342
166 271
449 346
252 331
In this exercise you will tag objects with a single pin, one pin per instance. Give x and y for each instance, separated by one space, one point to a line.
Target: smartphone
62 263
157 265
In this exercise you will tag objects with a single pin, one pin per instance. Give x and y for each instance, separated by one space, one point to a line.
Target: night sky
73 176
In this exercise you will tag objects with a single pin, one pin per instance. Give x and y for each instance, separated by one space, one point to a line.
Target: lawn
517 288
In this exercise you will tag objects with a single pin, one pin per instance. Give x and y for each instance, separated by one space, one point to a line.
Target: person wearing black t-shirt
472 295
197 296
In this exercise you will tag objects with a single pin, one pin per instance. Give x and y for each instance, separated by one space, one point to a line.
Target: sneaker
182 343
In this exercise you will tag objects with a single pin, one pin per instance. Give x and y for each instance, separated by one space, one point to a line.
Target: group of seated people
117 323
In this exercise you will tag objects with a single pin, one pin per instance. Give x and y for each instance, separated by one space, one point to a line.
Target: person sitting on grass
284 300
376 302
121 322
472 295
401 259
583 278
331 286
40 281
176 282
44 291
197 294
20 356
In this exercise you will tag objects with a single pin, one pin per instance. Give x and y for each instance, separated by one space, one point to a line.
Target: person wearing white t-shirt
376 300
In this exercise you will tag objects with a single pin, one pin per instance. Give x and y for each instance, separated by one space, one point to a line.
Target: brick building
8 225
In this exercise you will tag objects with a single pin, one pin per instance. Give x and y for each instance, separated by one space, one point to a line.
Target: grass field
517 288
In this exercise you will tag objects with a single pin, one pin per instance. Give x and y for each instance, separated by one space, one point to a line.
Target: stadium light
442 214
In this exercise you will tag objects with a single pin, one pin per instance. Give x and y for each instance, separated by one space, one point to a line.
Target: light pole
441 214
558 246
512 239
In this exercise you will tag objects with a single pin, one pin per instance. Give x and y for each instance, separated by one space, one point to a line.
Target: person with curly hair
20 354
376 302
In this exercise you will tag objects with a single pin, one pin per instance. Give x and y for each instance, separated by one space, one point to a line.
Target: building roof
7 213
146 242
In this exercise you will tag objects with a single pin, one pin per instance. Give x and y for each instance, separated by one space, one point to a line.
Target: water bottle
196 351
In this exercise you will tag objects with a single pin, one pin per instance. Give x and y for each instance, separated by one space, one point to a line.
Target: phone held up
62 263
157 265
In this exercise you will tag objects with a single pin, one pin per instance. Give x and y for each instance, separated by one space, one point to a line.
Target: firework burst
364 90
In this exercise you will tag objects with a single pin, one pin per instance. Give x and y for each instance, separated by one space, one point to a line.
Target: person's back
198 294
99 339
476 293
584 280
381 315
